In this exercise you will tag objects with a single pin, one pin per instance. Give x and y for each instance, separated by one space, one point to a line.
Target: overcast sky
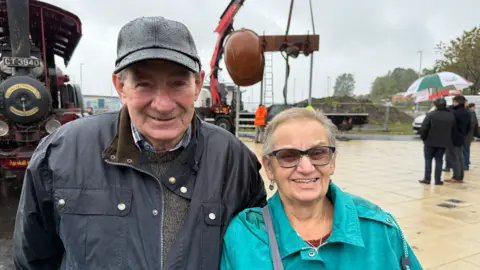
366 38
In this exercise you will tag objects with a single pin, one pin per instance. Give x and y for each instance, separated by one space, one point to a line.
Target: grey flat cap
156 38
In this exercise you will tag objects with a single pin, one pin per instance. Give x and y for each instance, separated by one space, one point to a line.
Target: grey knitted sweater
175 207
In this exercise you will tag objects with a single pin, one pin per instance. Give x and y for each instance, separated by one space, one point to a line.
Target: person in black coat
436 132
473 132
448 158
463 121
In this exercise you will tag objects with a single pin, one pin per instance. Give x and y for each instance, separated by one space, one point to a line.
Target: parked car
417 122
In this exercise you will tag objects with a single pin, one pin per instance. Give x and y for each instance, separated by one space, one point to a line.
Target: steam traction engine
35 96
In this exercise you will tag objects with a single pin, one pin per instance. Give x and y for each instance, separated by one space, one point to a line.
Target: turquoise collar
346 224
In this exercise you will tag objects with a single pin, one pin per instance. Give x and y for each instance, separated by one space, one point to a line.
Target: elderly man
150 187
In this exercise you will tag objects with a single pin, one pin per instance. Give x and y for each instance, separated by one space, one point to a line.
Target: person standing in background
436 132
448 158
471 133
260 117
90 111
462 118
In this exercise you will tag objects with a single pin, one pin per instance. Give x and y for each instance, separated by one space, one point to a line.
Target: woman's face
304 182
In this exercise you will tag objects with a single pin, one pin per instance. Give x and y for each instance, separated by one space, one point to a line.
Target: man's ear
199 79
119 86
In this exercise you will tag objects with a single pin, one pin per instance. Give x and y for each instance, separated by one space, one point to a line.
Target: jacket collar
144 145
346 223
122 148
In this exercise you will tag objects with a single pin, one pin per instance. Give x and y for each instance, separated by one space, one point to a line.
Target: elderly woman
310 223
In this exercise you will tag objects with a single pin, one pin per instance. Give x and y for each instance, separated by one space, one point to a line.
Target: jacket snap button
172 180
183 189
211 216
155 212
61 202
121 206
311 254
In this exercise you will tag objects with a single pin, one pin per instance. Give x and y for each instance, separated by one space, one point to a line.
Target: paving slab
441 223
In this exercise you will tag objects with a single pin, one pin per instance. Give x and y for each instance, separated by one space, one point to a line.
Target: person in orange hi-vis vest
260 117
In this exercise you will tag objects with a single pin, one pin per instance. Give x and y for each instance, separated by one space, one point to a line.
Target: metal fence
381 116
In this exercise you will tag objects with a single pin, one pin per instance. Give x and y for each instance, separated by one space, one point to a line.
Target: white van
417 122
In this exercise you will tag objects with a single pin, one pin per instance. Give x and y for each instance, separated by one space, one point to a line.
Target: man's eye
143 85
179 83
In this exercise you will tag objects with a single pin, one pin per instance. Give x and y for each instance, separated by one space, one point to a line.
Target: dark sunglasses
290 157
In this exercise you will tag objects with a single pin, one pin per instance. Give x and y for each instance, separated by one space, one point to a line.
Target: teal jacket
363 237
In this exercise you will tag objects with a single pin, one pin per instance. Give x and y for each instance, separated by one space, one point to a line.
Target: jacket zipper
163 202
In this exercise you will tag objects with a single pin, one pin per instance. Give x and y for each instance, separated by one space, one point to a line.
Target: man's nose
162 101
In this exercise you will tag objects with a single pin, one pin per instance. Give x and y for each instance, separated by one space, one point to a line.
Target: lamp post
311 60
420 67
237 93
419 75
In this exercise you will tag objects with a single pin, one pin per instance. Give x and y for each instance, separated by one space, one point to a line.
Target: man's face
160 97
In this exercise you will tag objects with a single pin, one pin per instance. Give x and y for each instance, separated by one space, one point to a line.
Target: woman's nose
305 165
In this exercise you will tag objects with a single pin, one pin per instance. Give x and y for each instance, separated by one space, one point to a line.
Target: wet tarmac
8 209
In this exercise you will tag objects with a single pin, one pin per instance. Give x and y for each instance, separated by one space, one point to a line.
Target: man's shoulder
221 138
214 131
89 124
443 114
76 131
460 111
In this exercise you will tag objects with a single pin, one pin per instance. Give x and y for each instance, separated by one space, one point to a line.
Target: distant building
102 104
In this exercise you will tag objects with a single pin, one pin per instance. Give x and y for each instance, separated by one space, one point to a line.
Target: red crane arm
224 28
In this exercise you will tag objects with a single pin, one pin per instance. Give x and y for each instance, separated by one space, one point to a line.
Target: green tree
364 96
383 87
394 82
344 85
462 56
403 78
428 71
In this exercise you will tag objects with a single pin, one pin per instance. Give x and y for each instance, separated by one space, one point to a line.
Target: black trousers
448 160
431 153
458 162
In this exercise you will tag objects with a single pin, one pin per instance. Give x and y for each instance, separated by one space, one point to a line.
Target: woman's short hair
296 114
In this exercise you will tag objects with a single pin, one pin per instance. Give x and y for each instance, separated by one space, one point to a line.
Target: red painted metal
44 50
63 29
223 29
